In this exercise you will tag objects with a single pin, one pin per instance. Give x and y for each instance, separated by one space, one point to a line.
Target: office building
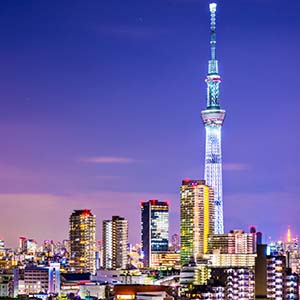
165 260
155 228
54 278
82 236
197 214
36 279
31 247
234 242
22 244
115 243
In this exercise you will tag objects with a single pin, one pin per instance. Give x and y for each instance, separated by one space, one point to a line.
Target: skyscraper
115 241
213 117
155 228
197 212
82 235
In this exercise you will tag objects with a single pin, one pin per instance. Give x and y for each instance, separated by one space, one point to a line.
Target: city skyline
104 112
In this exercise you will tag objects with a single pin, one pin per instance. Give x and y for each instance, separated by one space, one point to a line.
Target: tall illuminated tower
213 117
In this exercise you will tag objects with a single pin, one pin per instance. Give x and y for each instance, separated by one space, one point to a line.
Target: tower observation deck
213 117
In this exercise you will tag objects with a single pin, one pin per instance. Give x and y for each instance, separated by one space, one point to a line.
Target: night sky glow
101 102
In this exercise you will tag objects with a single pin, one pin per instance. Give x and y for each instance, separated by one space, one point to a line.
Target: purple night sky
100 108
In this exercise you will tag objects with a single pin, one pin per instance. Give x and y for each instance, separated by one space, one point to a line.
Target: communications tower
213 117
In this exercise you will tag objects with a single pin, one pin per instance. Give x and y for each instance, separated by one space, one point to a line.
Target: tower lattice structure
213 117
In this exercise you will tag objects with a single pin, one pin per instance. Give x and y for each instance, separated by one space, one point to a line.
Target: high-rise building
275 277
54 278
197 215
31 247
234 242
155 228
213 117
2 245
175 242
22 244
82 235
115 242
261 272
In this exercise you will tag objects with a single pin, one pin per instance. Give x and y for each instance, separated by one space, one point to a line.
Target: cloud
235 167
108 160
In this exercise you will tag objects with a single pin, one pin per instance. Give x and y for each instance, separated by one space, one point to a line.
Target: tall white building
115 242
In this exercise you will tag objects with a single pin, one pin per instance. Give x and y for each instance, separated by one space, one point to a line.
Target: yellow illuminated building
231 260
82 233
165 260
197 218
202 273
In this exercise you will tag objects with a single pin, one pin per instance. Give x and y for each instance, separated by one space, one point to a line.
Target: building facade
281 282
115 242
155 228
240 284
82 236
197 218
36 280
234 242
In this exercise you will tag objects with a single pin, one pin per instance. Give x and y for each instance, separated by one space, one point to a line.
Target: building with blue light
213 117
155 228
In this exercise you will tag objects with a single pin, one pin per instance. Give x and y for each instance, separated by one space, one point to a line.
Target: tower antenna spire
288 239
213 78
213 9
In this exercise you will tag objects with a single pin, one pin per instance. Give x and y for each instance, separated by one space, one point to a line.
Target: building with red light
82 235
